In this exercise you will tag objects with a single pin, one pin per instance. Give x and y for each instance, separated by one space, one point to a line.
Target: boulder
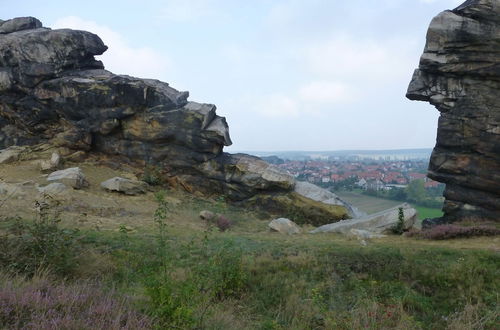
207 215
459 73
284 226
11 154
126 186
19 24
72 177
53 189
375 223
51 164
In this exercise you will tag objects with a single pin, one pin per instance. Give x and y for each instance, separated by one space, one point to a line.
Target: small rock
207 215
126 186
53 189
285 226
72 177
10 154
52 164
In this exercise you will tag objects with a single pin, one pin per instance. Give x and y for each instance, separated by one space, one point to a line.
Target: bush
399 228
28 246
223 223
40 303
152 175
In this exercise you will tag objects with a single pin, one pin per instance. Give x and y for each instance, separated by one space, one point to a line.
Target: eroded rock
377 223
459 73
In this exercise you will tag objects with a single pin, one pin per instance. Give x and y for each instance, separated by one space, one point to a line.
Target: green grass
426 212
249 278
370 204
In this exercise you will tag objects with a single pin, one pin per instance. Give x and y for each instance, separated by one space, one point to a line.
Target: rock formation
53 91
459 73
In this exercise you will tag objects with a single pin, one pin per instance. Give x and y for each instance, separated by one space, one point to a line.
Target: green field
370 204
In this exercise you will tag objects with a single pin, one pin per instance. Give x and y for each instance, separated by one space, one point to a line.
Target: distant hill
360 155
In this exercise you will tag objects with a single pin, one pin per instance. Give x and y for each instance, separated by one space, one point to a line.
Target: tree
416 191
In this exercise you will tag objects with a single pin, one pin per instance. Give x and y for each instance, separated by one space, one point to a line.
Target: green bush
27 246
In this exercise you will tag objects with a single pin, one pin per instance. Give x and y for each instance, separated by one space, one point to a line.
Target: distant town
367 170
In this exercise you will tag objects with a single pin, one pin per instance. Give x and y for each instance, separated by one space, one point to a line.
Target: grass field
370 204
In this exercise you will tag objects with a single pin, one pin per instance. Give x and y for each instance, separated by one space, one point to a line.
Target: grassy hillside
171 270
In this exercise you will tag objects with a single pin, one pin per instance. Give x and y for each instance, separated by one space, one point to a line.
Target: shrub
152 175
28 246
223 223
399 228
40 303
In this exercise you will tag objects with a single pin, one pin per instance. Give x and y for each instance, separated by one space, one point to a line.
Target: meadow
175 271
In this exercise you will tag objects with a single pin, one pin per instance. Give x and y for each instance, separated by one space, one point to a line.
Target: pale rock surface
10 154
375 223
285 226
52 164
72 177
126 186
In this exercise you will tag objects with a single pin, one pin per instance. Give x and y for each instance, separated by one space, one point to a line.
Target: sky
287 74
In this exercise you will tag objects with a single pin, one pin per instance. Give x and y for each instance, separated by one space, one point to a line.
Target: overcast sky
287 74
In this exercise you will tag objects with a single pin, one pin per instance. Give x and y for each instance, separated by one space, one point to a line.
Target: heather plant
27 246
450 231
42 303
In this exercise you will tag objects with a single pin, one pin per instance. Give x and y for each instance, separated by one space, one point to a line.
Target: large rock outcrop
54 91
459 73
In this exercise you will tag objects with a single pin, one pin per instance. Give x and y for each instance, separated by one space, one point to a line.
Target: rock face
53 91
459 73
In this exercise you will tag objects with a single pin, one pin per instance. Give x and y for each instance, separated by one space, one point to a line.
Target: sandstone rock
53 189
459 73
53 90
207 215
284 226
10 154
19 24
126 186
375 223
72 177
52 164
319 194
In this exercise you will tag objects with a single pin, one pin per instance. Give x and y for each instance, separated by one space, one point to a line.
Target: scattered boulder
375 223
52 164
285 226
207 216
125 186
11 154
53 189
72 177
459 74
